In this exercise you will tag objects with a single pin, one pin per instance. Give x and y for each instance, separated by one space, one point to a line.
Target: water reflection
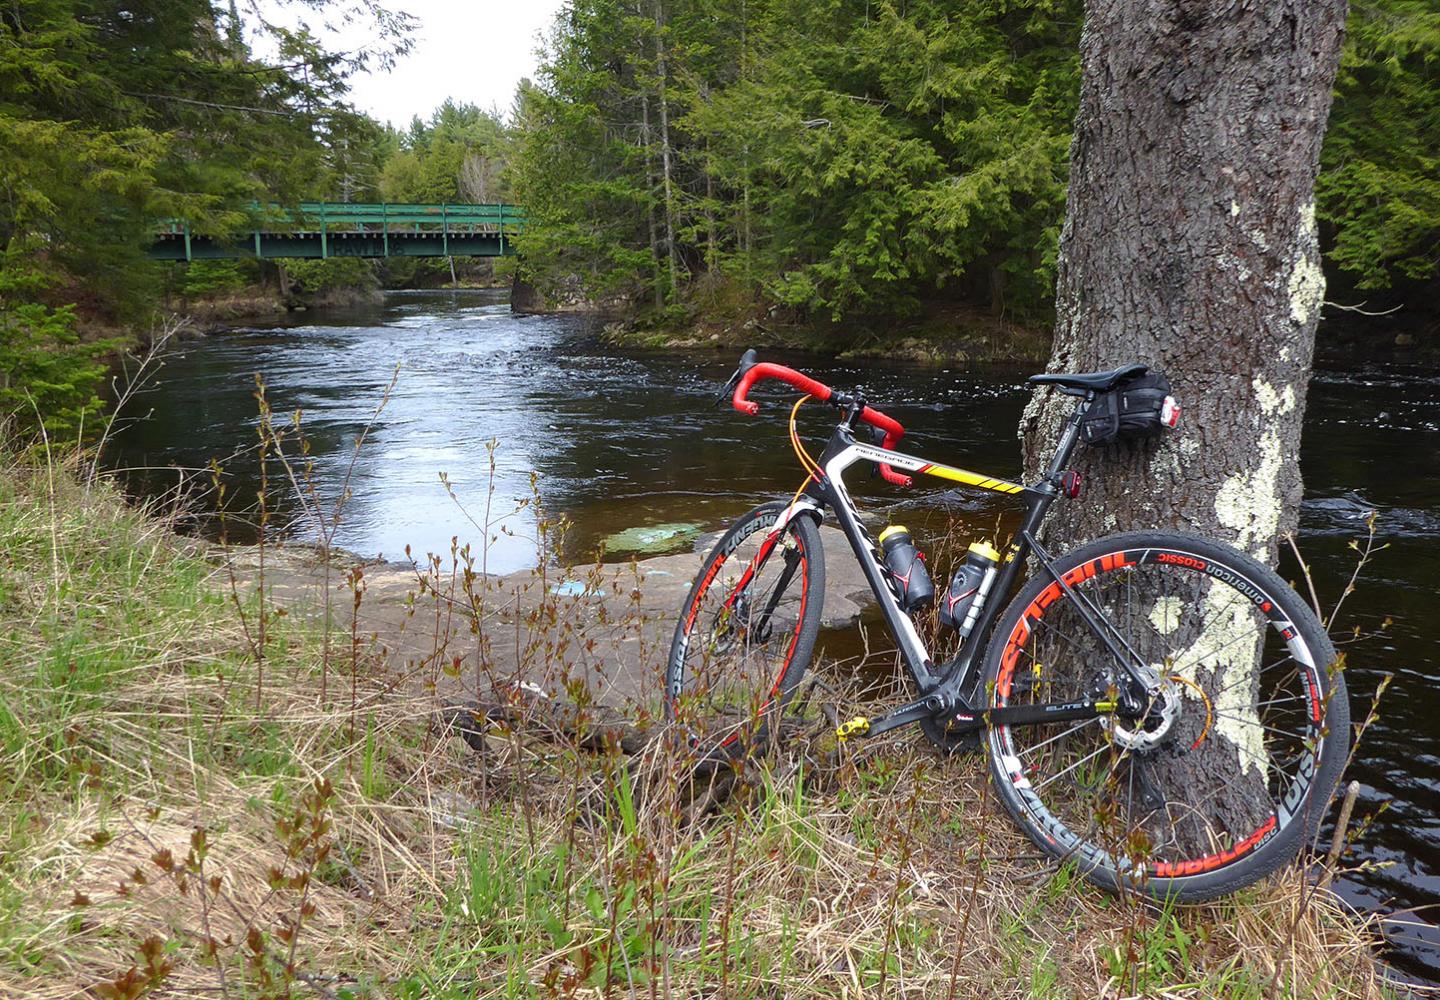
465 372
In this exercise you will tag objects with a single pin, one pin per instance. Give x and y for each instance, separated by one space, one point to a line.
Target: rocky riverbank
416 617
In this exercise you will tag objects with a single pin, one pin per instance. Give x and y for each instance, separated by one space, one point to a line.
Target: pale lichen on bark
1165 615
1307 280
1228 646
1250 502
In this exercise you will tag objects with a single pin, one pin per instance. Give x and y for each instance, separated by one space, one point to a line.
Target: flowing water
612 440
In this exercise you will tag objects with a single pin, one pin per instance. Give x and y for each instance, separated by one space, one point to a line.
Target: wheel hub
1154 727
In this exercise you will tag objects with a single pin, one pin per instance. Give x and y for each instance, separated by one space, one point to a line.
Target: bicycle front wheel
746 632
1220 779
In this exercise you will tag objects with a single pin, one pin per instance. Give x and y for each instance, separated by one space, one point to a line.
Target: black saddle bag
1132 411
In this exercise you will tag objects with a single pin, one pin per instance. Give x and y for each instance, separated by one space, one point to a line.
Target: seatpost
1068 437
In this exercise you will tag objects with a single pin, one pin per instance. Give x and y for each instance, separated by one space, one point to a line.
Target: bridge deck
330 229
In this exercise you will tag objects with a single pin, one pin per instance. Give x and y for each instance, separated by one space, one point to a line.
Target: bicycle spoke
1215 654
1288 733
732 664
1082 760
1259 673
1075 728
1193 804
1278 701
1232 716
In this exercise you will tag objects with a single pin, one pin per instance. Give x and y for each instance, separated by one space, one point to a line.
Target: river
610 440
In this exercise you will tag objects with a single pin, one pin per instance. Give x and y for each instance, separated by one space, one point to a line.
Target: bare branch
1359 308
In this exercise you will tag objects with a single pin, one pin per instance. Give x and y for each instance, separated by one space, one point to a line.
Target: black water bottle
968 588
906 567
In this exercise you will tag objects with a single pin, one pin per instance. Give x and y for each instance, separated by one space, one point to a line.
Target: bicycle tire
1235 783
743 640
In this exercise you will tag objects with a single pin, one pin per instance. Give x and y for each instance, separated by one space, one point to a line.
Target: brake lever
727 389
877 437
747 361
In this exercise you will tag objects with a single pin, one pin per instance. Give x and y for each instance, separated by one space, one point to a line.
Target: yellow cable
1209 711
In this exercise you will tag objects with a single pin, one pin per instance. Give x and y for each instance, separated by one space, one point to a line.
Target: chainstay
965 720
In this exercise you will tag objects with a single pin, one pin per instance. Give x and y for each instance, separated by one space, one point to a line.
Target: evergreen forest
681 160
846 157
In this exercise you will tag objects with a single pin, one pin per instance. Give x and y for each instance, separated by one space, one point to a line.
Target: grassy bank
205 796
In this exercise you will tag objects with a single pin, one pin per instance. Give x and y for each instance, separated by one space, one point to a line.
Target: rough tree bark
1189 244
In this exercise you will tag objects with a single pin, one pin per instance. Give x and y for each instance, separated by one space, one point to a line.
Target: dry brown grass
364 848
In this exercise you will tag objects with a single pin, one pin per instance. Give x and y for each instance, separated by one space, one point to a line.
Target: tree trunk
712 244
650 201
997 289
235 34
1189 244
665 157
743 74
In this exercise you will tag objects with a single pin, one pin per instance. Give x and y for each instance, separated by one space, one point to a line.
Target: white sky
474 51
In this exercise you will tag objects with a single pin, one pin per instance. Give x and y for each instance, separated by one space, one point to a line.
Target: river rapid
489 411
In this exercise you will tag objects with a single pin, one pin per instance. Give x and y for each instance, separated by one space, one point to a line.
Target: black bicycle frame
949 691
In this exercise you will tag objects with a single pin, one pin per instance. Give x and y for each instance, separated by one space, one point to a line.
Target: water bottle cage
949 617
900 582
904 566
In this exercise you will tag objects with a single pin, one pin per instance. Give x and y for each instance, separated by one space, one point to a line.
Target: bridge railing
382 218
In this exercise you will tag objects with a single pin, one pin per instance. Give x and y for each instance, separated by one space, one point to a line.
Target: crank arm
905 715
1034 715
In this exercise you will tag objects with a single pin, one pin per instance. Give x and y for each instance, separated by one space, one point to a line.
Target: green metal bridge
332 229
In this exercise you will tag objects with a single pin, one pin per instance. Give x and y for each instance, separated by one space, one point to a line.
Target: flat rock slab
607 627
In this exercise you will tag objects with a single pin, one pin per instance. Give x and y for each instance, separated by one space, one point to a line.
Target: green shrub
335 274
49 378
213 278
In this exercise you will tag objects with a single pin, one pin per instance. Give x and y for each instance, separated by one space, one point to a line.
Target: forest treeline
846 157
686 159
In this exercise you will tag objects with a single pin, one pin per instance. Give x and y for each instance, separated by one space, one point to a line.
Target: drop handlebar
752 372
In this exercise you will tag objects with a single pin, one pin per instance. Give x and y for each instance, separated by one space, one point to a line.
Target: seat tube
912 648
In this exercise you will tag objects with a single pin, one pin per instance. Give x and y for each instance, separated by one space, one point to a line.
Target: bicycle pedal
857 726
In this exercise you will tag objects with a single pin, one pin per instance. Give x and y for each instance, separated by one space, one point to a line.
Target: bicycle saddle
1093 381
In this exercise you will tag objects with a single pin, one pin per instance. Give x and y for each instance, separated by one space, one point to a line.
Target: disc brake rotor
1156 725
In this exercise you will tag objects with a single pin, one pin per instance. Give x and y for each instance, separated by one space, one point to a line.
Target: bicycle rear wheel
746 632
1217 782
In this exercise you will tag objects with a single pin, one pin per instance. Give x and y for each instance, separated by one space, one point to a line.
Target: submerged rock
653 539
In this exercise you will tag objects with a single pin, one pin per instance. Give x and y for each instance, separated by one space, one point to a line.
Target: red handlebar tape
765 370
758 373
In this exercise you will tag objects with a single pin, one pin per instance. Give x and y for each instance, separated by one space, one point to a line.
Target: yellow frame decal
970 478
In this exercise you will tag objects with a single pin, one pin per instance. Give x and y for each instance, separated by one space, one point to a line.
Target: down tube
912 650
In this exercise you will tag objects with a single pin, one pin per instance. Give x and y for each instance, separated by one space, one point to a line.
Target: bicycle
1160 709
